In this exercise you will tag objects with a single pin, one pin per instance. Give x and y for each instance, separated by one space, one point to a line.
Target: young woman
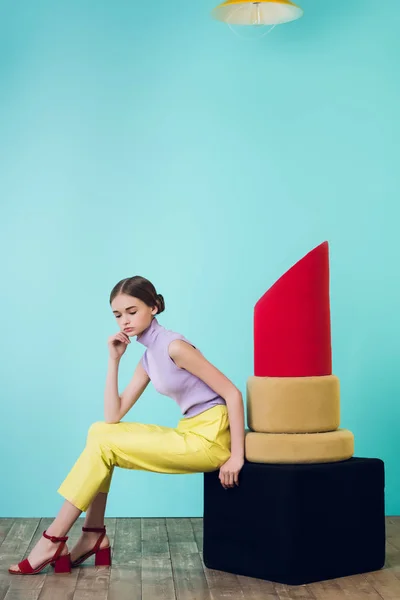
209 436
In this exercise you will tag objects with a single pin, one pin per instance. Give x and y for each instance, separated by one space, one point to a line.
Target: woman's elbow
235 396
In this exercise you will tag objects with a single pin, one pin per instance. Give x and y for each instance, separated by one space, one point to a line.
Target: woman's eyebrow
127 308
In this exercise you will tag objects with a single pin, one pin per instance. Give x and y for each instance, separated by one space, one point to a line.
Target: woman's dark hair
141 288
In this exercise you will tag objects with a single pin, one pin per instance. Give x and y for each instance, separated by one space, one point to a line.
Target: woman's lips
129 329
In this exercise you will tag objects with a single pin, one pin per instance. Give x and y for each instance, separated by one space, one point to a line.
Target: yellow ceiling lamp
264 12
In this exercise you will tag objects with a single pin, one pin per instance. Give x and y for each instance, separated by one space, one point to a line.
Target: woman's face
132 313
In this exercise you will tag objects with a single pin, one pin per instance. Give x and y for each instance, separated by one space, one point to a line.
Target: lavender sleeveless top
191 393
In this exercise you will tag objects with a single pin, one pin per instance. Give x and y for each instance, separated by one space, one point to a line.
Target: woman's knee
100 442
98 429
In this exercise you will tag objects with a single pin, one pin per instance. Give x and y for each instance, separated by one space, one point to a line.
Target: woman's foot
86 543
42 551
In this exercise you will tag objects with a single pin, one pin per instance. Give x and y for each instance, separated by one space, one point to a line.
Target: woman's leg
96 511
135 446
141 446
44 548
94 518
131 446
68 514
92 472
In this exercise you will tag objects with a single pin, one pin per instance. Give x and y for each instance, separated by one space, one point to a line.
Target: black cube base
297 523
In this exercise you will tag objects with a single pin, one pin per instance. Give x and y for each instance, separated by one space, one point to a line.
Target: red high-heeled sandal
62 564
102 555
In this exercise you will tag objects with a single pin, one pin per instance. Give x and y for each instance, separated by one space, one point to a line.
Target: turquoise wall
146 138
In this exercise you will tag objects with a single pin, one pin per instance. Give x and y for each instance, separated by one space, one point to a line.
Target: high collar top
149 335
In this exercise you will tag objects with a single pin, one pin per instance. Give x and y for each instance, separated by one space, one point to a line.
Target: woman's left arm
187 357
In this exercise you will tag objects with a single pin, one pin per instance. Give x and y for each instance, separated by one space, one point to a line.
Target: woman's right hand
117 344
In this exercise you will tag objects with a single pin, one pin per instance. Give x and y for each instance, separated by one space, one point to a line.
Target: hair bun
161 302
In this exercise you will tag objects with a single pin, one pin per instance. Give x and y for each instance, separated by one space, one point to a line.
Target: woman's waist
195 408
210 424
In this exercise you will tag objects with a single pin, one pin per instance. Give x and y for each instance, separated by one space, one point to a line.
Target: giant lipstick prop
293 399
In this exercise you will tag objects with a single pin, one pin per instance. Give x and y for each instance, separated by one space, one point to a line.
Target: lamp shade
263 12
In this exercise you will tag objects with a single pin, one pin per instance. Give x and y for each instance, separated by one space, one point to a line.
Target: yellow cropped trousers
198 444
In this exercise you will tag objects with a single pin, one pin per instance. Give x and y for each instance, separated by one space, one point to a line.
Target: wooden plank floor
161 559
